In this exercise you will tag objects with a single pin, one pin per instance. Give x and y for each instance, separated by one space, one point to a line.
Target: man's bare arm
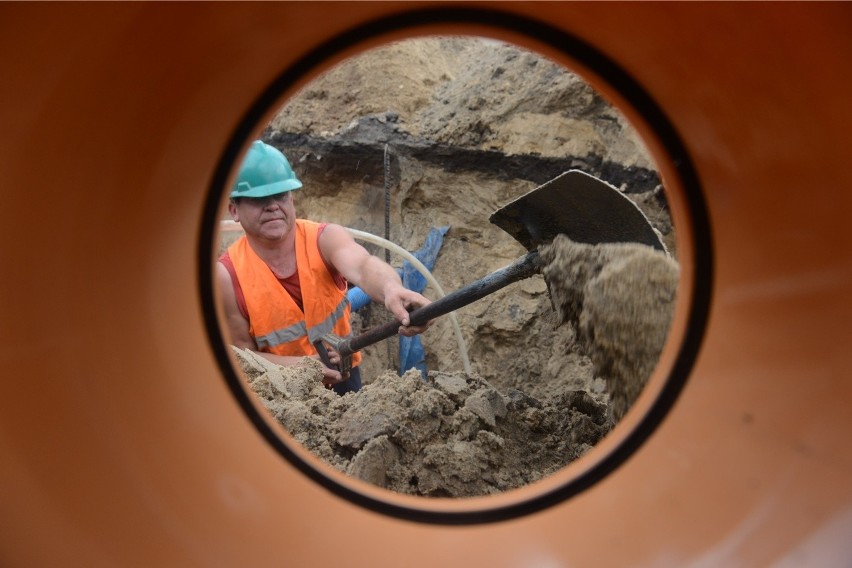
377 278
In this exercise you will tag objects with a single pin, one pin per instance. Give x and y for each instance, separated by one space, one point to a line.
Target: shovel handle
522 268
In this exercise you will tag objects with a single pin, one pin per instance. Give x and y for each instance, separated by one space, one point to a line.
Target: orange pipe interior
120 443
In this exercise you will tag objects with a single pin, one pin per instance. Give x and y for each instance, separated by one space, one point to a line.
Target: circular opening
417 143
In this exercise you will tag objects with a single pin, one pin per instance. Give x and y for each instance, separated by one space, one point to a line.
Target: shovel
576 204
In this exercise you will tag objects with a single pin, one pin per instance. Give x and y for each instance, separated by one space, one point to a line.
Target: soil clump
452 435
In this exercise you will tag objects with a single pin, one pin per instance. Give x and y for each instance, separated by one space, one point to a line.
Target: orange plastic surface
120 444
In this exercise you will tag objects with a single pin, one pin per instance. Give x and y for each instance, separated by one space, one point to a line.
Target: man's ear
232 209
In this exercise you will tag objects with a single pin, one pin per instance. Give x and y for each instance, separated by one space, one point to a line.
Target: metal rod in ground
387 201
389 347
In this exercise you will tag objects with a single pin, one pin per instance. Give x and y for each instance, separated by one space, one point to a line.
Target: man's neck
279 255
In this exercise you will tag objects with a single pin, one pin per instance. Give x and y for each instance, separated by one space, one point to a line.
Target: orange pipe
121 443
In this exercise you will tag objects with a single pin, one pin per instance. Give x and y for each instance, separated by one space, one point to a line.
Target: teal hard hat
265 171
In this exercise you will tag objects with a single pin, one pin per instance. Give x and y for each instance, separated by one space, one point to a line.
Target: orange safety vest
276 322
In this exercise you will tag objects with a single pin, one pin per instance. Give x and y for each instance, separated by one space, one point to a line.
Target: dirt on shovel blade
620 299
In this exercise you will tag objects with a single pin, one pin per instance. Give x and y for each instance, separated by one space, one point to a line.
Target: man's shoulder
226 256
312 227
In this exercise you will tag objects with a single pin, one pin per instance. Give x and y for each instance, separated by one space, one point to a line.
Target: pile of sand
453 435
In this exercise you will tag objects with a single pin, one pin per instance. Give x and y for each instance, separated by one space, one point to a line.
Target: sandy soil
452 435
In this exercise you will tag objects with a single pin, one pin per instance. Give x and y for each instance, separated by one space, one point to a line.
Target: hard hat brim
266 190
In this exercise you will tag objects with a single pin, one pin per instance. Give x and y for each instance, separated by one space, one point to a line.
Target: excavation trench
442 132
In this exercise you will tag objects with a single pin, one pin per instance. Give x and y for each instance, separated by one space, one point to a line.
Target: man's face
268 218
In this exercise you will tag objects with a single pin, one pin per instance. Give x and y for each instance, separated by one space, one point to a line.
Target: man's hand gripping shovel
335 342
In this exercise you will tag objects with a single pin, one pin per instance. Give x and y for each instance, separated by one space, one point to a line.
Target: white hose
426 274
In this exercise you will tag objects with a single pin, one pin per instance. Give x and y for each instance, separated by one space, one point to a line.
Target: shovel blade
580 206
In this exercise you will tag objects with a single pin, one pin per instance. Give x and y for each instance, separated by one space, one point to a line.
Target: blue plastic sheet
358 298
411 353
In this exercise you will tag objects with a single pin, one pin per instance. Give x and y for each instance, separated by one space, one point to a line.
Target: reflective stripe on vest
300 329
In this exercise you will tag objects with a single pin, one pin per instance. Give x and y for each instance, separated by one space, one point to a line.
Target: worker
283 284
